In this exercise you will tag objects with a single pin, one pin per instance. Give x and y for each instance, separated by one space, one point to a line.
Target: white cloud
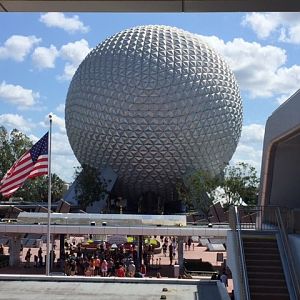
12 121
57 122
69 71
248 154
282 98
259 69
44 57
290 35
63 159
61 108
262 23
17 47
73 53
59 20
17 95
249 149
253 134
286 25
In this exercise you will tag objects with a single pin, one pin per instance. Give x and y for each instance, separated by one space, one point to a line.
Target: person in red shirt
96 265
121 271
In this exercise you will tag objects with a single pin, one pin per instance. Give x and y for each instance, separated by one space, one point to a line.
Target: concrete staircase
264 268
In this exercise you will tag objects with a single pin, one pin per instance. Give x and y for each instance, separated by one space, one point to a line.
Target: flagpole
49 200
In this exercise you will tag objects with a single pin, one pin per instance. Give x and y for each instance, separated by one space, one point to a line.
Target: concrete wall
285 187
280 171
294 240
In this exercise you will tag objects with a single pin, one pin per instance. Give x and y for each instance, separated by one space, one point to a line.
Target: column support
180 253
14 250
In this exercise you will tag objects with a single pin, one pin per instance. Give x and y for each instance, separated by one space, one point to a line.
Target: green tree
12 146
89 187
236 184
57 186
198 190
240 183
36 189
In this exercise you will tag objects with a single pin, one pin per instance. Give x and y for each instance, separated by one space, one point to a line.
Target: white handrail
242 256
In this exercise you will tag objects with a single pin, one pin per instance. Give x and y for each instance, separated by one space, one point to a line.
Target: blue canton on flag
31 164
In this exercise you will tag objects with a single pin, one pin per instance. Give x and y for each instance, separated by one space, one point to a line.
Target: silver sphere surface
154 103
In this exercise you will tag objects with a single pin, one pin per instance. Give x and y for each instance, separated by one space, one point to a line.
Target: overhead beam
117 230
241 5
149 5
93 5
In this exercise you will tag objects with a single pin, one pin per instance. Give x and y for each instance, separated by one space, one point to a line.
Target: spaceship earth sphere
154 103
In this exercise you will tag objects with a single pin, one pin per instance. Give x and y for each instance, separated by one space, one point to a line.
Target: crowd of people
119 261
105 260
111 260
102 261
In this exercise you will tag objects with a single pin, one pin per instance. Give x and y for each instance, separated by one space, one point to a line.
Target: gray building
280 171
264 258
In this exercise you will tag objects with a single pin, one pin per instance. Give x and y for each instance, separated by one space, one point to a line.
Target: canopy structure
148 5
8 229
102 219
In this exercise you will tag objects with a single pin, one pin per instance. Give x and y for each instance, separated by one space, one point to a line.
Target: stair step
271 251
266 281
262 262
263 256
269 290
264 268
260 240
259 246
263 275
269 296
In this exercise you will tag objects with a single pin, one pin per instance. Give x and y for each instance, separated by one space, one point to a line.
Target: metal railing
288 253
263 218
268 218
243 272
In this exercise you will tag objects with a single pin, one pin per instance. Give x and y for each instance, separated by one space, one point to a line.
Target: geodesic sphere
153 102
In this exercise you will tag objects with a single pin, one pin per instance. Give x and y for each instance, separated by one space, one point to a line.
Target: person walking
97 266
131 269
40 256
143 270
27 258
120 271
189 243
174 245
224 279
164 248
104 268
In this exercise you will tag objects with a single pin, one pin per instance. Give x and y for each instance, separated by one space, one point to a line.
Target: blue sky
39 53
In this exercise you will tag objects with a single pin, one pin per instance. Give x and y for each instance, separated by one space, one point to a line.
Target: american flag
31 164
